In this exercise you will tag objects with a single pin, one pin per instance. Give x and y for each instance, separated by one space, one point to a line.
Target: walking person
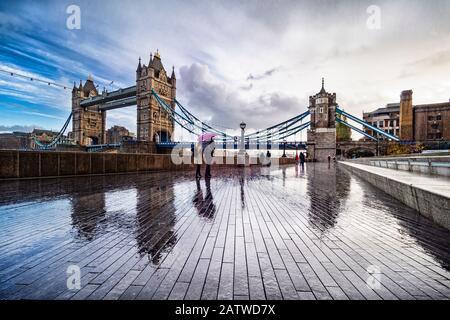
268 155
198 158
302 160
209 155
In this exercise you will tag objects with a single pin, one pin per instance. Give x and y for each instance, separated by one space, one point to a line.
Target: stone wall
16 164
428 203
321 144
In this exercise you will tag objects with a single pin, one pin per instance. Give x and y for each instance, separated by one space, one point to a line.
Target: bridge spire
139 68
323 86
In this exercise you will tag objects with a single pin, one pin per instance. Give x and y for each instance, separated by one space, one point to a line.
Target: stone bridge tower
321 137
153 124
88 124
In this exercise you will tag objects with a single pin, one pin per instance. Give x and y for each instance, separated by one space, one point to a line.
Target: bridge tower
88 124
321 137
153 124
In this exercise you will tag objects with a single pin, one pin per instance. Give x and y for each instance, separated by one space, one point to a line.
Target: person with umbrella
208 146
198 155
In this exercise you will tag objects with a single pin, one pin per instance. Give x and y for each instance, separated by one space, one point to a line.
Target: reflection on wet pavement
290 233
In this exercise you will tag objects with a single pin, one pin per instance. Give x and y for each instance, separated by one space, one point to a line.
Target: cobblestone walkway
247 234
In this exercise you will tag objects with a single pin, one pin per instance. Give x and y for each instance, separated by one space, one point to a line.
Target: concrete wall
16 164
433 165
432 205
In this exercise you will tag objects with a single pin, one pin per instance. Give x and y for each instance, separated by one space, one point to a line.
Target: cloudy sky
254 60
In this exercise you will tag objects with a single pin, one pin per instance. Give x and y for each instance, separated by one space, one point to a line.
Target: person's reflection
205 206
241 183
198 196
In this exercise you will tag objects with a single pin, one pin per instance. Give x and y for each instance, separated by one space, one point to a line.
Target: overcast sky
256 61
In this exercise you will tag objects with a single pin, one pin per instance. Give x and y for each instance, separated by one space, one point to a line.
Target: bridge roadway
290 234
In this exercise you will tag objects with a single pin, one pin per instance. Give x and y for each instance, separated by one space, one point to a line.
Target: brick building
15 140
421 123
117 134
387 119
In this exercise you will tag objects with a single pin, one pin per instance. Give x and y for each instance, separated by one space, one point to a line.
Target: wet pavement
317 233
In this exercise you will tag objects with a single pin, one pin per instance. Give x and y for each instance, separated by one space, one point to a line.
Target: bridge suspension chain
55 140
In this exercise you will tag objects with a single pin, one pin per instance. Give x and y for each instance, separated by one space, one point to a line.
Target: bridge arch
162 136
359 152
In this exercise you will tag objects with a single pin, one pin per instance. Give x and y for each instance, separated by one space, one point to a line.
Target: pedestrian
210 147
268 155
198 157
302 159
329 159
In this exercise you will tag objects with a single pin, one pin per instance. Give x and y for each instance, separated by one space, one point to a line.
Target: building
117 134
153 123
321 137
432 122
421 123
15 140
41 135
387 119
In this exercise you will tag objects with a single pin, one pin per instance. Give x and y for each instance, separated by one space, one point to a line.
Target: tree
343 133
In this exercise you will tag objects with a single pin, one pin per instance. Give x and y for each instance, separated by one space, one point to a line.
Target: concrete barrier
18 164
429 196
432 165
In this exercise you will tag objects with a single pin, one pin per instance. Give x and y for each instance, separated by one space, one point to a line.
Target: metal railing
428 167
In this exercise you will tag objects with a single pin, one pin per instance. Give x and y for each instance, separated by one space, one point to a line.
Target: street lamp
284 149
242 148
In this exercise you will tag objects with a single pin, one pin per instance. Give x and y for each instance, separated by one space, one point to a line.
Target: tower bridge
158 111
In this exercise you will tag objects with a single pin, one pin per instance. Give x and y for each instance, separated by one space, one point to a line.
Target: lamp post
242 148
284 149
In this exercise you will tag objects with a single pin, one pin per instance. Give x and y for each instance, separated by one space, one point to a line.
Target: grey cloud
263 75
247 88
213 100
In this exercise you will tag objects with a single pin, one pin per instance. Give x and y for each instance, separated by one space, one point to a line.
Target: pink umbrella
206 136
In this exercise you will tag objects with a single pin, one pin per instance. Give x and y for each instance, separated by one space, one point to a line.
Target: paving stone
242 235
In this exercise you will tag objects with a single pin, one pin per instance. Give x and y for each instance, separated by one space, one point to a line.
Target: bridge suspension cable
187 121
365 124
56 139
